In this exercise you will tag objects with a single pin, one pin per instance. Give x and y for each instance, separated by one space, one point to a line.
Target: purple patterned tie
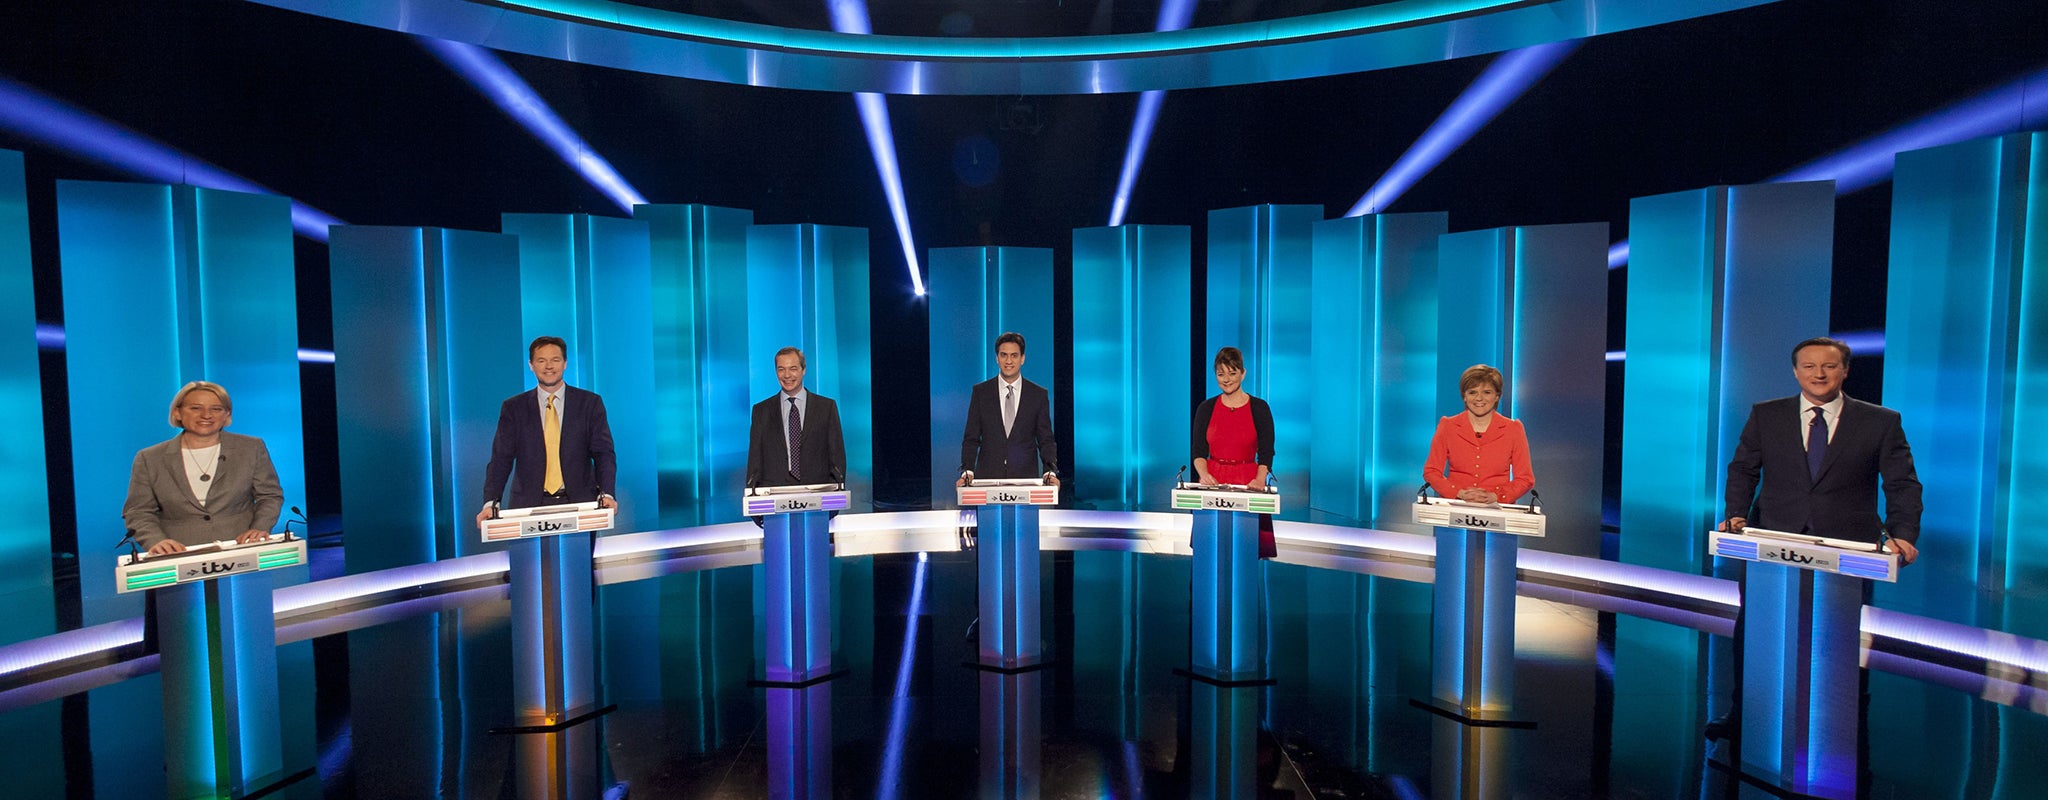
1816 443
796 443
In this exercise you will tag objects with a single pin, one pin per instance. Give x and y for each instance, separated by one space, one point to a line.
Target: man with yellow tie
556 435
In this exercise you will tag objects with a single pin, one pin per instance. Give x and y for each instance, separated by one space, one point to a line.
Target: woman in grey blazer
203 485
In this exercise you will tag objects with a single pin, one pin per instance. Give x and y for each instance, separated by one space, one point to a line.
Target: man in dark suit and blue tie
794 438
553 443
1009 423
1812 463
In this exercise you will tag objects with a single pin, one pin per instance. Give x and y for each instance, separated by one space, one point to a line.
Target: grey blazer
244 496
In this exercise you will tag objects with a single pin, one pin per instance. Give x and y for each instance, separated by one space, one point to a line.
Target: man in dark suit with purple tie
554 443
794 438
1812 463
1009 423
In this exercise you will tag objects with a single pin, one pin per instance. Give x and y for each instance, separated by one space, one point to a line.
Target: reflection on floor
405 709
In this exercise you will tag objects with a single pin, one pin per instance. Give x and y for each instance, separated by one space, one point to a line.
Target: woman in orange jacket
1479 456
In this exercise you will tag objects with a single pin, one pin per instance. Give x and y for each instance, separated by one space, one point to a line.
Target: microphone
302 523
1177 475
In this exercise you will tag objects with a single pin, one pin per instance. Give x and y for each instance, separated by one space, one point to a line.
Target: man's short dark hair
543 341
1822 341
1011 337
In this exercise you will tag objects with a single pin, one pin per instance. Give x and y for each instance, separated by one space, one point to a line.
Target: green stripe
285 551
281 561
144 573
144 583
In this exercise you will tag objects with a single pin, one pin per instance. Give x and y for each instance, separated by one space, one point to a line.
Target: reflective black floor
405 709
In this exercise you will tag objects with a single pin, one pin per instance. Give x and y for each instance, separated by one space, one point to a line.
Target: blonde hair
1478 374
198 386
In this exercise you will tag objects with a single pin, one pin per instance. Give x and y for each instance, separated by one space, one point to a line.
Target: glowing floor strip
899 708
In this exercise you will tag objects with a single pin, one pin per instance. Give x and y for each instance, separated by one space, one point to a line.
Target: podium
217 647
1007 561
1802 612
554 683
796 553
1472 626
1225 584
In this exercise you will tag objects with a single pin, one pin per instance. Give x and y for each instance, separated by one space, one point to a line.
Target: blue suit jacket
588 465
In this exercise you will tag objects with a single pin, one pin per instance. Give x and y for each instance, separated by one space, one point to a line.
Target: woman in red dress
1234 438
1479 456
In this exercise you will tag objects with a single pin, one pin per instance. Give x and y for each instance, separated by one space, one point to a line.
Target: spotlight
851 16
1173 15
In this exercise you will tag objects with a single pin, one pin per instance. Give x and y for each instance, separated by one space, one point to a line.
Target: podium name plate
1024 492
206 562
1508 518
1217 498
526 523
1820 554
791 499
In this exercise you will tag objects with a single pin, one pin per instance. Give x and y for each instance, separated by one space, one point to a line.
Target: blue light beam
46 120
2017 105
1173 15
1502 83
851 16
504 88
899 706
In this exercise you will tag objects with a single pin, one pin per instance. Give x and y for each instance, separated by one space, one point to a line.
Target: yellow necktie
551 436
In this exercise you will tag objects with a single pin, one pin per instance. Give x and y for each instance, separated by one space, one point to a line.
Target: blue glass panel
1132 409
699 266
807 287
1374 320
1962 338
1259 271
977 293
24 560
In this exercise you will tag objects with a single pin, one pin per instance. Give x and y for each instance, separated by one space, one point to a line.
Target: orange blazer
1479 460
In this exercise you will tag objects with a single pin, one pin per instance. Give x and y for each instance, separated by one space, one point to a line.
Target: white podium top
1200 497
1509 518
206 562
764 500
526 523
1802 551
1007 492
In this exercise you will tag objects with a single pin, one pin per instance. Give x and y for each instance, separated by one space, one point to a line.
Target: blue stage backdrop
1374 327
1259 272
1132 404
1963 342
976 294
807 287
1722 281
699 268
426 347
1532 301
169 284
24 486
587 279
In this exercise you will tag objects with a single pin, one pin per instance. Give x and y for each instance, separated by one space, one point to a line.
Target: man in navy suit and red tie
1821 456
554 443
1009 423
794 438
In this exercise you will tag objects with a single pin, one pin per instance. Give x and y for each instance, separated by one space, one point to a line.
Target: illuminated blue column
699 257
1550 281
796 556
1969 257
1699 262
800 743
1259 272
1008 563
24 486
1132 407
1800 679
1224 727
426 343
1374 326
1012 735
164 285
977 293
1224 628
588 279
807 287
219 646
553 678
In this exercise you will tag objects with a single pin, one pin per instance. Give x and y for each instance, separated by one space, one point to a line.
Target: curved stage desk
1996 666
